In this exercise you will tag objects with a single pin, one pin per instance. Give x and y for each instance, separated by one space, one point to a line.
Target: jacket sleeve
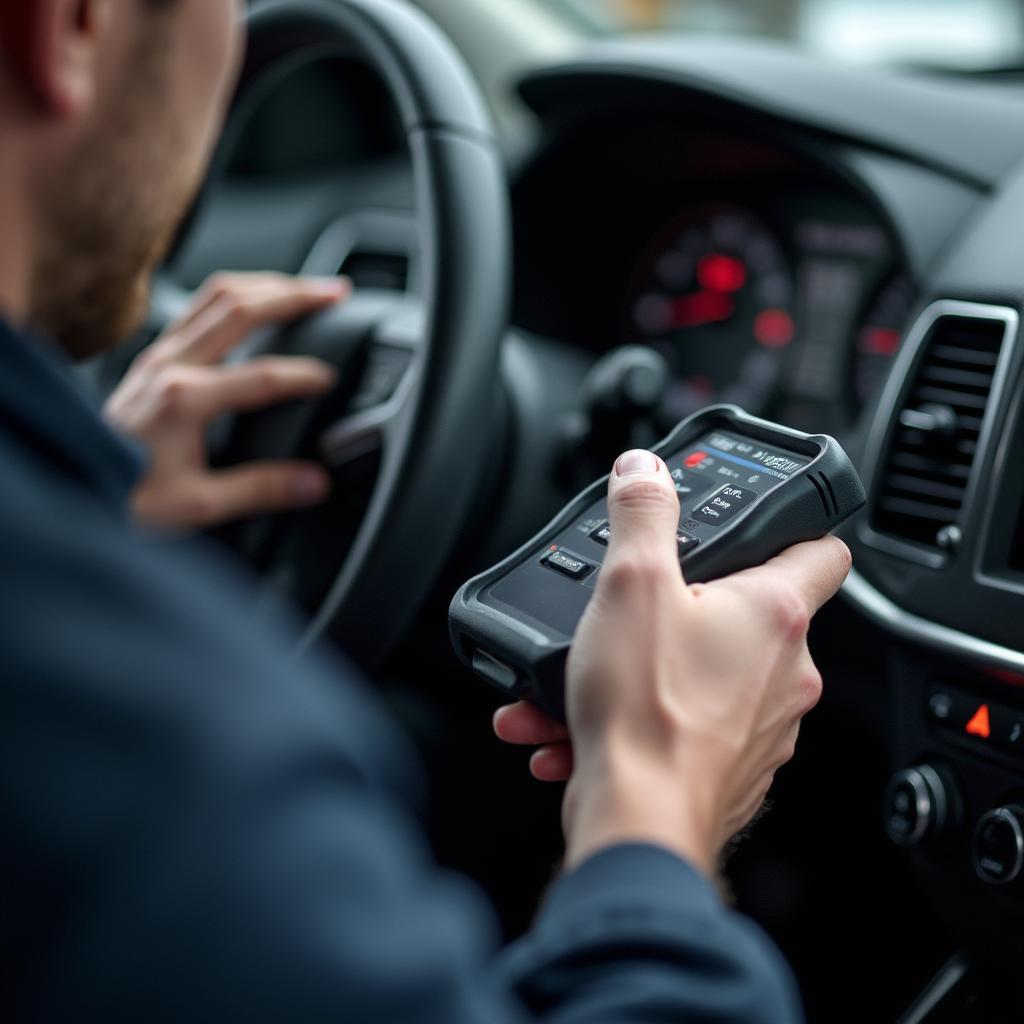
200 828
635 934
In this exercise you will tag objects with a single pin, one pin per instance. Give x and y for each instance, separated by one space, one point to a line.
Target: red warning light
979 724
880 341
695 459
774 328
719 273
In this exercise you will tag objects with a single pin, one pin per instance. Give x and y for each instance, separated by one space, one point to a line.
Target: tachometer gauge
879 334
713 294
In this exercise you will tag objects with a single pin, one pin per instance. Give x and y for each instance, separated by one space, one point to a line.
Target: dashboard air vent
927 467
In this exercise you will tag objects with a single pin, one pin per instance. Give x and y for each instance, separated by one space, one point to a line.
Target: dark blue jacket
198 828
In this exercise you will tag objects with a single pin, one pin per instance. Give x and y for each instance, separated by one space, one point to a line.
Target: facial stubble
107 222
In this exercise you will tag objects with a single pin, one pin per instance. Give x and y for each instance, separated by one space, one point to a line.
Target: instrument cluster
794 306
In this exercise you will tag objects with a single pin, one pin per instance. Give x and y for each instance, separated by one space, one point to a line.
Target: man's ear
54 46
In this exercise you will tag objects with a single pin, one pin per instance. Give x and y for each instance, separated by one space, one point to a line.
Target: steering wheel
435 430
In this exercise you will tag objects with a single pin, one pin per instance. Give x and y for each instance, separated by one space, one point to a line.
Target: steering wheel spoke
376 414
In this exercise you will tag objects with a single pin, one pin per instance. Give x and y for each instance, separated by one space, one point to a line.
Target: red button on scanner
695 459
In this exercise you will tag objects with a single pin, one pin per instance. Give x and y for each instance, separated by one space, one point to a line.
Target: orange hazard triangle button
979 723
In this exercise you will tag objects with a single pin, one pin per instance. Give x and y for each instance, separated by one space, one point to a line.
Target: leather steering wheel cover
465 262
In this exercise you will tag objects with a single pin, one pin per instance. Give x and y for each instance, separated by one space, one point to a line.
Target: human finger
643 514
552 763
253 489
231 317
813 571
525 725
257 384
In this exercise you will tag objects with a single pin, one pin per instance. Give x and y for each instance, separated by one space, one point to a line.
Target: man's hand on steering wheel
179 384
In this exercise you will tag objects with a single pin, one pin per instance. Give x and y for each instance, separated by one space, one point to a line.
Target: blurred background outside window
965 34
501 38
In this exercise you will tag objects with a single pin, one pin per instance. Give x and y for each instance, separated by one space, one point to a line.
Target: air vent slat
921 509
920 464
927 469
959 378
924 486
971 424
968 356
947 396
913 440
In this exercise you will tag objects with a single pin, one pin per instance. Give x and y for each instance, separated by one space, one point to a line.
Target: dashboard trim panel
900 380
986 573
880 610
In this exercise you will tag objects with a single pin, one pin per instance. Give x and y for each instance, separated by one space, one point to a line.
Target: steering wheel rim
434 431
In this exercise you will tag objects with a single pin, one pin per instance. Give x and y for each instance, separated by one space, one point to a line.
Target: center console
939 557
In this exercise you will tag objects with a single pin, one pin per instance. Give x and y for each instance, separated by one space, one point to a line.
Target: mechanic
197 827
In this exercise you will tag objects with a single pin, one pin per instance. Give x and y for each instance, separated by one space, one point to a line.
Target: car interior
564 257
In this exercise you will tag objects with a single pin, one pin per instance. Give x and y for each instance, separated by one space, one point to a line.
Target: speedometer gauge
713 295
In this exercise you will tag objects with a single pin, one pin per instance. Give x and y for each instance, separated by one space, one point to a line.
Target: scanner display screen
723 473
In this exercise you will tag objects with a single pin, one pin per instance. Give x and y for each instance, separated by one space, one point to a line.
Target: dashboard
762 278
749 312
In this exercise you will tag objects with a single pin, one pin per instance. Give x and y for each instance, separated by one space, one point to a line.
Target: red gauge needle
702 308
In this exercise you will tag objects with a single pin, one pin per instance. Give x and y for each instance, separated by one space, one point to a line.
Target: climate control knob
921 803
998 848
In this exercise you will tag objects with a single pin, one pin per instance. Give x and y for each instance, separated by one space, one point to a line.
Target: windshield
958 34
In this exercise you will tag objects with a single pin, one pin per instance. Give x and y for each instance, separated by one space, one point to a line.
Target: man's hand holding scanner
682 700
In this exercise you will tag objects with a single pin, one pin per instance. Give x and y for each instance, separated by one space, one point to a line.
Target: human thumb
643 510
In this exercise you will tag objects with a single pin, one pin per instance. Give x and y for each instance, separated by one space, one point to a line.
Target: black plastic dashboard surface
908 115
